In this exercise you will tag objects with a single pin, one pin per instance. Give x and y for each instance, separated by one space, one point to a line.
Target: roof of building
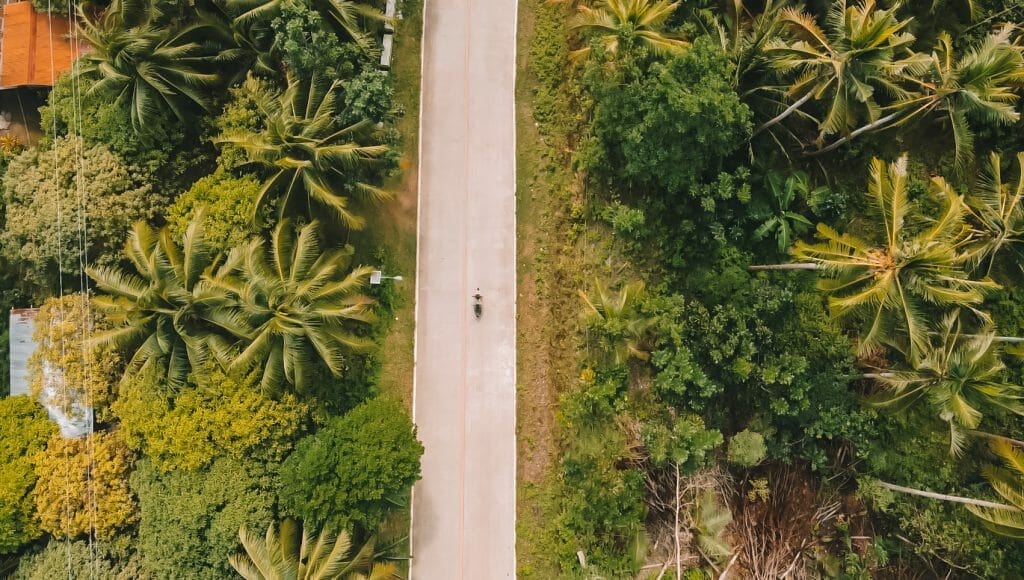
35 48
74 421
22 347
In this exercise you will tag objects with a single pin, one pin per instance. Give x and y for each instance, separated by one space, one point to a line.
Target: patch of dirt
536 397
536 402
401 211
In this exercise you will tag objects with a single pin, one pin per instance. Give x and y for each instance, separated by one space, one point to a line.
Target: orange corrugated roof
25 52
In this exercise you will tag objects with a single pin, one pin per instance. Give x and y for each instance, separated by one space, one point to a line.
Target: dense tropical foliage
820 202
184 217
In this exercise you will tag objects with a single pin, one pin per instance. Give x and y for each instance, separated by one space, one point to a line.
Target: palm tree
1009 484
1005 519
996 214
893 277
315 163
161 311
710 520
958 375
623 331
744 37
297 555
347 18
981 84
624 24
779 221
149 65
865 51
294 303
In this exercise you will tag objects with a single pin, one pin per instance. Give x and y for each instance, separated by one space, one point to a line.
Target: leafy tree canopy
222 416
189 520
98 187
642 117
78 560
348 471
24 431
83 486
167 152
308 47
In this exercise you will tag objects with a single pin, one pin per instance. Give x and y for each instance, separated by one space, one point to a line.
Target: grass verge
392 231
547 277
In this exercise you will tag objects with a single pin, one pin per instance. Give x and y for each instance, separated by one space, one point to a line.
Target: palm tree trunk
989 19
1006 339
778 118
790 266
1010 339
994 437
869 127
944 497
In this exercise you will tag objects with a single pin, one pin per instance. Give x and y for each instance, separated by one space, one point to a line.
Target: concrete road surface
464 394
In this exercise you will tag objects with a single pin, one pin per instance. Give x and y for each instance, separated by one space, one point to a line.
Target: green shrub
603 513
623 219
671 125
229 203
113 195
24 432
747 449
685 442
79 560
221 417
348 472
189 520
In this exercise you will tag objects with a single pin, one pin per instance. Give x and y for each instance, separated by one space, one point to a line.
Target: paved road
464 395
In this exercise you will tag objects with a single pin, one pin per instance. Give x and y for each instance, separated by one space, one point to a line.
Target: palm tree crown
296 555
621 24
1008 482
150 65
624 332
892 277
294 303
958 375
997 216
981 84
160 311
863 51
315 163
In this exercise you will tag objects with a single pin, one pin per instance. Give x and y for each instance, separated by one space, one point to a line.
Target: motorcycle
478 305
